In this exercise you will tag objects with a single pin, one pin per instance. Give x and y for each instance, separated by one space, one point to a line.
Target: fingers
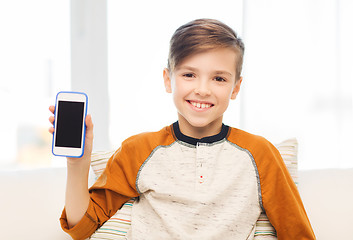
51 119
52 109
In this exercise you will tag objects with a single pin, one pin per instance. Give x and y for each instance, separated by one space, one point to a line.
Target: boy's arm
97 213
84 211
77 196
105 197
112 189
281 199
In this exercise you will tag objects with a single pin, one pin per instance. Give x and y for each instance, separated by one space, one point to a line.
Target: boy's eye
188 75
219 79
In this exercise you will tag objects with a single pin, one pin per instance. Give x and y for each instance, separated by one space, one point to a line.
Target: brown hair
201 35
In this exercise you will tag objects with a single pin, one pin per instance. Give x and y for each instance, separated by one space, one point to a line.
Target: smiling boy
202 86
197 178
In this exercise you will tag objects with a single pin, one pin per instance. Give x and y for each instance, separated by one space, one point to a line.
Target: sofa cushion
327 195
31 203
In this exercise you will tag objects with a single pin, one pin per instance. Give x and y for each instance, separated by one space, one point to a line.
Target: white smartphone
69 124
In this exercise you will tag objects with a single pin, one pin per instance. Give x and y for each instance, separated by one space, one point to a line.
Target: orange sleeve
117 184
280 196
112 189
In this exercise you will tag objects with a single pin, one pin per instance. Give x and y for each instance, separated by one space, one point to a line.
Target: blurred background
297 74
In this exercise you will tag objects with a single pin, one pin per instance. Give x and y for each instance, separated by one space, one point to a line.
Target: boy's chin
204 124
200 124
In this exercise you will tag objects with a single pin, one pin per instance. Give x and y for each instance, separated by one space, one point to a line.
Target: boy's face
202 86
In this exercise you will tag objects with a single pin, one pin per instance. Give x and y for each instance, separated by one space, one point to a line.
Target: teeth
201 105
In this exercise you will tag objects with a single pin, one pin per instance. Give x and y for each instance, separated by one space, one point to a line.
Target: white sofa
31 203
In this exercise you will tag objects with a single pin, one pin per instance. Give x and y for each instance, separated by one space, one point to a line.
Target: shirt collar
193 141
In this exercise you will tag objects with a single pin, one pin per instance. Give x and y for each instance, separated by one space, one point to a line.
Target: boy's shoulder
239 135
248 140
139 147
261 150
150 139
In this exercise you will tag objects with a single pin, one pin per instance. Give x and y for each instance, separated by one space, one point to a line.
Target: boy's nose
202 88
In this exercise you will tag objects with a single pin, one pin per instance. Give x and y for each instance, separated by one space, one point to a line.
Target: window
297 73
298 77
35 64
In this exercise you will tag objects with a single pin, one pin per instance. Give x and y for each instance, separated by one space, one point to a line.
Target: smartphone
69 124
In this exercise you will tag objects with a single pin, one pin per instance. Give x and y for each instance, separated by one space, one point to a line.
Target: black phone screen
69 124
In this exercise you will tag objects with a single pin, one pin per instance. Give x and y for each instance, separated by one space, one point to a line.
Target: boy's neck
199 132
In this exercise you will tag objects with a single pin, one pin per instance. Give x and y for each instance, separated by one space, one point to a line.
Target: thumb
89 134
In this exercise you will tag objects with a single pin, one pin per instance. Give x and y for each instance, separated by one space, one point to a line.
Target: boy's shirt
210 188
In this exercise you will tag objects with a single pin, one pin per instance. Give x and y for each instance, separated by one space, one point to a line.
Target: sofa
32 200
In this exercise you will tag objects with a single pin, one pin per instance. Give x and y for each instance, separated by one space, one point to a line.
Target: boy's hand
88 139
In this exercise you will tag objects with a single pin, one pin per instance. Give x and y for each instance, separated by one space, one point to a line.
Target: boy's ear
236 88
167 81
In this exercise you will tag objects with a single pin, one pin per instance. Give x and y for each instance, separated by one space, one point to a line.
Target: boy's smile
202 86
200 105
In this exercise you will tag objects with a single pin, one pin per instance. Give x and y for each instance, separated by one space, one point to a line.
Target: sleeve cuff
84 228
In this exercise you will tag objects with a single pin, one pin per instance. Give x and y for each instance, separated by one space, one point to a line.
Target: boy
197 178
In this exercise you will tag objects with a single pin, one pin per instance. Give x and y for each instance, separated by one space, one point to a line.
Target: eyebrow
224 73
186 68
220 72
